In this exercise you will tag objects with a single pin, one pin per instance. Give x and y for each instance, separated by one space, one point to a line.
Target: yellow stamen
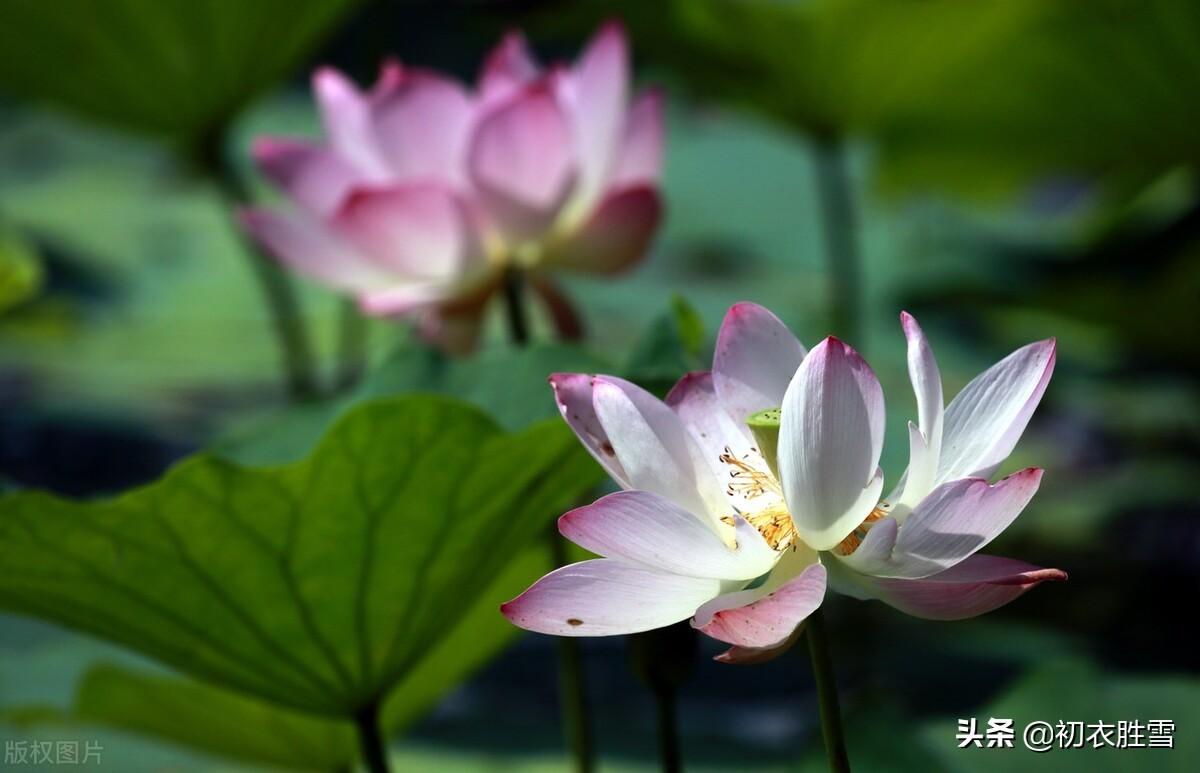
775 524
748 481
855 538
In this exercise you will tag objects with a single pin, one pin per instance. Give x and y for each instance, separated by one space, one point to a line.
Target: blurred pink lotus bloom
709 528
425 193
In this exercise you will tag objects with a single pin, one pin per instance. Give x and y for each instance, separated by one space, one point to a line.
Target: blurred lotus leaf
219 721
178 68
21 273
318 586
1075 690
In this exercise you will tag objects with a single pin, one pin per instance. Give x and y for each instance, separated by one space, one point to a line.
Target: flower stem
296 351
514 301
571 686
839 225
827 696
668 730
352 345
370 742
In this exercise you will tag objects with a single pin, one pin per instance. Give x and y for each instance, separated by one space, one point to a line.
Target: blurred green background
1015 169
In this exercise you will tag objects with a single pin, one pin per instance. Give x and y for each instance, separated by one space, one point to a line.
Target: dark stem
352 345
839 223
827 696
276 287
370 741
577 725
514 301
668 730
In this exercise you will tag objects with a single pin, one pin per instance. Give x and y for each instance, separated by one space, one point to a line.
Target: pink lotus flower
708 529
425 193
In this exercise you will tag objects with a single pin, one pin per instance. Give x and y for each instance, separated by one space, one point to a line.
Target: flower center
851 543
761 495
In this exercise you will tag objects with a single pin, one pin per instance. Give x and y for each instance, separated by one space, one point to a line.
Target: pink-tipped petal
346 115
655 450
416 232
830 441
306 246
640 156
573 393
422 126
616 236
507 69
771 620
649 530
606 598
755 359
599 97
520 161
315 177
985 420
956 520
979 584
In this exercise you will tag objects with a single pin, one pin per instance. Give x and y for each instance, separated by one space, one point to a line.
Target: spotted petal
604 598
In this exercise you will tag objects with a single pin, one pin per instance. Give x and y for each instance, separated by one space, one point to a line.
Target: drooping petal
563 313
520 161
755 359
985 420
573 393
924 444
748 656
417 231
304 244
655 450
346 116
956 520
648 530
830 440
640 156
979 584
507 69
422 126
604 598
315 177
599 100
771 620
616 235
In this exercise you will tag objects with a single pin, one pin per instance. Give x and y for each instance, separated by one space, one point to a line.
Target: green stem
352 345
276 287
839 225
572 690
370 740
831 715
514 302
668 730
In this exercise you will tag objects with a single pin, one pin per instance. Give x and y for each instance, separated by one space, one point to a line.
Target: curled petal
977 585
655 450
772 619
755 359
985 420
616 236
747 656
605 598
926 442
830 440
573 393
